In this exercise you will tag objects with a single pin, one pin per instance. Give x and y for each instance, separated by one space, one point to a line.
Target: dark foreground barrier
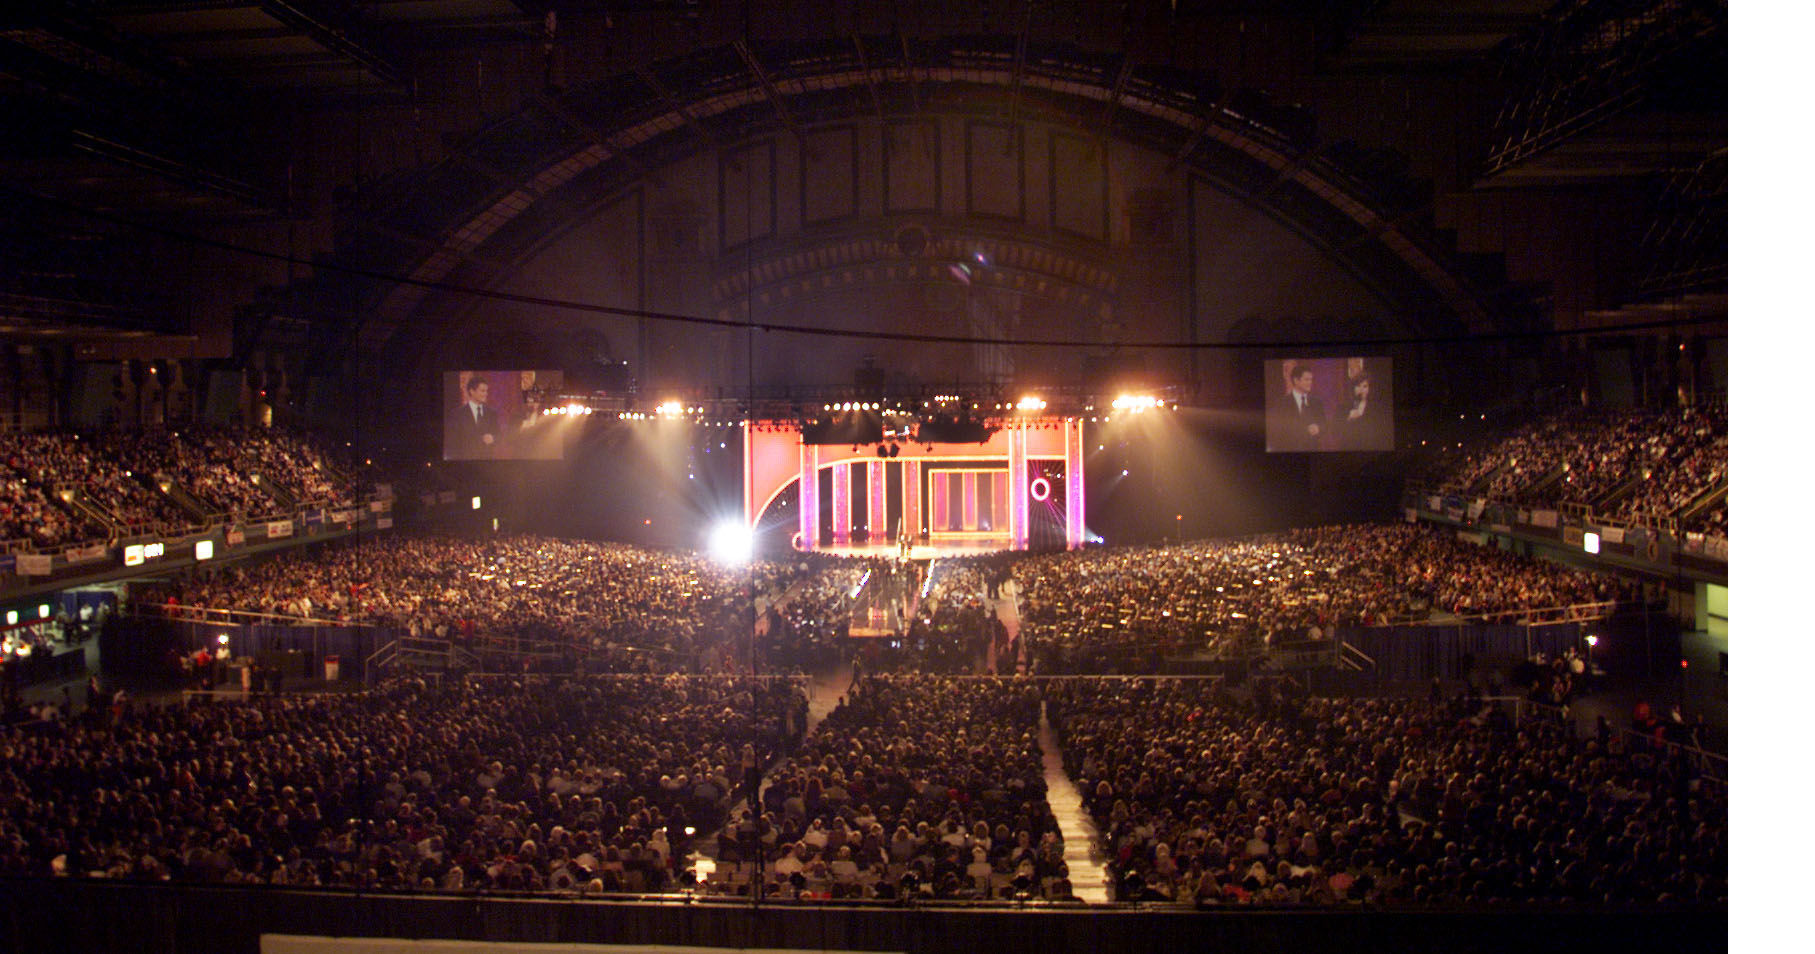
79 915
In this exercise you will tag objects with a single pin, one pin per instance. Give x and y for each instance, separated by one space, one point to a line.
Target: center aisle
825 688
1007 607
1089 877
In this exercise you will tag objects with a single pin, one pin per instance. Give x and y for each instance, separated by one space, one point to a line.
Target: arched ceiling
465 222
173 165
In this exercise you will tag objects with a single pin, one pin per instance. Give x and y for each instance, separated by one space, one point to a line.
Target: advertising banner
86 554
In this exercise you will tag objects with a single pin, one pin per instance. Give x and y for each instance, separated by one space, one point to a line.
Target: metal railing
430 648
237 617
1657 523
1349 656
1526 616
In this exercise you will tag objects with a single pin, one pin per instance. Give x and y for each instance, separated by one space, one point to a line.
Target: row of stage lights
1136 403
1031 404
666 411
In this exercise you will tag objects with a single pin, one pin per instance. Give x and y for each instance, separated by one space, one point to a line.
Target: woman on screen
1363 423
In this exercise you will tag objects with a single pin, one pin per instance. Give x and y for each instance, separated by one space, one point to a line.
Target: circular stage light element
1040 489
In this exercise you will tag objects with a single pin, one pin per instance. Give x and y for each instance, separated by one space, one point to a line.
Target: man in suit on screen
473 426
1299 421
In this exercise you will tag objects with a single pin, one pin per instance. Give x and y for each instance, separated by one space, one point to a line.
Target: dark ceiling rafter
567 117
1199 130
767 85
678 107
1290 172
907 72
485 169
1117 90
1019 71
108 50
869 77
344 37
174 170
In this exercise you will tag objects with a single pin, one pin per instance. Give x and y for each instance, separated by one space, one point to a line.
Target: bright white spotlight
1031 403
1135 402
730 542
669 409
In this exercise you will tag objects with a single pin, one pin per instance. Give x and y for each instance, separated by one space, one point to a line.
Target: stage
932 547
1020 487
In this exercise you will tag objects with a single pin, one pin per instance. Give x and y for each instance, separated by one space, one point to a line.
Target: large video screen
497 415
1329 404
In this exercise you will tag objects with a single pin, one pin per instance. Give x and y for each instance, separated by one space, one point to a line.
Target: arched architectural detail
572 155
814 263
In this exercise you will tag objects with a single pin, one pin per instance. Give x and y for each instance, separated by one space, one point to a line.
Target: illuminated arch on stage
981 492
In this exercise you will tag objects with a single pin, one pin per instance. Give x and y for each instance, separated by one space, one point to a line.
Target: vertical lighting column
841 503
809 496
879 501
1074 483
998 501
970 501
910 497
1017 487
749 477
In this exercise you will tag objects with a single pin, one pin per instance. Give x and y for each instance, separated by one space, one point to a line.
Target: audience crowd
614 606
586 785
66 488
33 519
929 778
914 786
917 784
1632 464
1206 799
1125 609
